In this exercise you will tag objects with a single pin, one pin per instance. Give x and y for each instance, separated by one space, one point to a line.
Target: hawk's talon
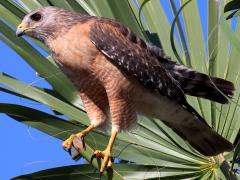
109 165
83 142
76 141
100 175
92 157
67 144
69 151
105 155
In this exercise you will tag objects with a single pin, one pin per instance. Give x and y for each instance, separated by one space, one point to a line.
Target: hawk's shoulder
131 54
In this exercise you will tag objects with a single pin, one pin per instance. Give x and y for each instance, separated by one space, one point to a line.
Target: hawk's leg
95 103
106 154
76 140
123 114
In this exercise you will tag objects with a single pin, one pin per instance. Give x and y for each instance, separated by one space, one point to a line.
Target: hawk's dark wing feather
131 55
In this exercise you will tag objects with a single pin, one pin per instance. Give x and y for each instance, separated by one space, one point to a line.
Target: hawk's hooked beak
21 29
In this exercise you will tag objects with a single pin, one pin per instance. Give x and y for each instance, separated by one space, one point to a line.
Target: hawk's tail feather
201 85
195 83
189 125
214 89
203 139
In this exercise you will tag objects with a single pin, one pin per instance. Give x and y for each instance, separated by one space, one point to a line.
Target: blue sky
25 149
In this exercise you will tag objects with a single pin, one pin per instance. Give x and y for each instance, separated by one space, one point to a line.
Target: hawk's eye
36 17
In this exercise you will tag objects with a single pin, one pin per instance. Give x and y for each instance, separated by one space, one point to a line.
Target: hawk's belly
161 107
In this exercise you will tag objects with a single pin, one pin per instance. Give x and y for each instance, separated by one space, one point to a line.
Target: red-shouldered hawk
118 75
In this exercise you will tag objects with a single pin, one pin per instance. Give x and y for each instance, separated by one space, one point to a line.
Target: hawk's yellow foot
76 140
106 154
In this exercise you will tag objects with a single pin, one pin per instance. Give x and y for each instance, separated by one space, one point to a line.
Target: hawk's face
41 23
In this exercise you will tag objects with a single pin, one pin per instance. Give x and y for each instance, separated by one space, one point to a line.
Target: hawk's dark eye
36 17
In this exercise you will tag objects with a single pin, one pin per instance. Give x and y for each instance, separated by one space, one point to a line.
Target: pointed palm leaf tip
119 76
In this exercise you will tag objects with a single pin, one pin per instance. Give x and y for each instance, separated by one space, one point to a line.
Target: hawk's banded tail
188 124
201 85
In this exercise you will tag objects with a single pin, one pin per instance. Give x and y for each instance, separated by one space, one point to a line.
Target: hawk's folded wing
131 55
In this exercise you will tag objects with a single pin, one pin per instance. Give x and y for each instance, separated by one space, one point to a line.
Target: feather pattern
195 83
133 58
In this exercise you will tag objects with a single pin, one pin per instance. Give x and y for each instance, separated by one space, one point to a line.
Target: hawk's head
45 22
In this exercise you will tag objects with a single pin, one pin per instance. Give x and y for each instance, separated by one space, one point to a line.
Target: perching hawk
117 74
